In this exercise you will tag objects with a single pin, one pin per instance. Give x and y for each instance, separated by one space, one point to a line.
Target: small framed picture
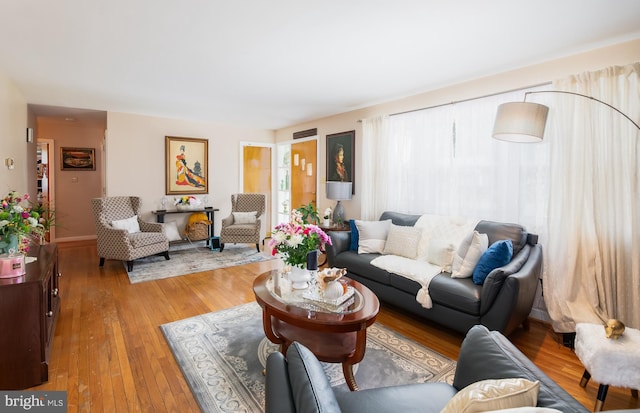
78 159
340 157
186 165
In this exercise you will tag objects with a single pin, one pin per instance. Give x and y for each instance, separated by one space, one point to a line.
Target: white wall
13 124
135 157
620 54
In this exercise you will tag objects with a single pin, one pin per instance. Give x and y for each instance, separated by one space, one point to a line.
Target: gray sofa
299 384
502 303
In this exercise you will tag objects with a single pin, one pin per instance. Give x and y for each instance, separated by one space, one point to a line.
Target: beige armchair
243 225
122 235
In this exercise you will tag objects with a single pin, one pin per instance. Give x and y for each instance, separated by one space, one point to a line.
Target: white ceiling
275 63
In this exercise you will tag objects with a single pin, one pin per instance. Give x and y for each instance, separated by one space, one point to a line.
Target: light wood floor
110 355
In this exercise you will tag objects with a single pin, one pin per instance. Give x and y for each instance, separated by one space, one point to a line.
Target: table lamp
338 191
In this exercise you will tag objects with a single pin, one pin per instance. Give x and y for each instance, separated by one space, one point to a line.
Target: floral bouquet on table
186 201
18 224
295 239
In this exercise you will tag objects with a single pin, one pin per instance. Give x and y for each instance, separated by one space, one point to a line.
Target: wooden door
304 174
257 177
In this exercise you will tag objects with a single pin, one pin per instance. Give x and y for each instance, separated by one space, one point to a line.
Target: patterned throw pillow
402 241
493 394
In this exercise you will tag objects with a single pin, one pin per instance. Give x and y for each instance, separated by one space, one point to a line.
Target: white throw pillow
372 236
441 253
171 231
468 254
244 217
402 241
494 394
130 224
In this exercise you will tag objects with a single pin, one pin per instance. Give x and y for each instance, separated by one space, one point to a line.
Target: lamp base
338 214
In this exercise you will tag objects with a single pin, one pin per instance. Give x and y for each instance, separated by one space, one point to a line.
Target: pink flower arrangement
294 240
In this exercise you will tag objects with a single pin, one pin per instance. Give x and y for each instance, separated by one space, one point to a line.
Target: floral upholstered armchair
122 235
243 225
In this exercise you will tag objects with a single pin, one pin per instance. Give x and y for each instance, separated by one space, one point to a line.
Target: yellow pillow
492 394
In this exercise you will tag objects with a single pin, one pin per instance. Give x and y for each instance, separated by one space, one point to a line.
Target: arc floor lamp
525 121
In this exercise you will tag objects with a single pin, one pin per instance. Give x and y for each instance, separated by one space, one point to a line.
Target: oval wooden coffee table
334 337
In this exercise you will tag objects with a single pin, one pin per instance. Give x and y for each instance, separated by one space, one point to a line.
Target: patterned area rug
191 260
222 355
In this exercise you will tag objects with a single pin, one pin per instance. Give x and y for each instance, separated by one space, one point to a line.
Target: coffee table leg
347 370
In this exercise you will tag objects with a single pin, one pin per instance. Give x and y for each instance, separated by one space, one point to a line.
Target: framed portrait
341 157
186 165
77 159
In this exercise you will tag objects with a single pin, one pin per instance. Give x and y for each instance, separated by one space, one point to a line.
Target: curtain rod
466 100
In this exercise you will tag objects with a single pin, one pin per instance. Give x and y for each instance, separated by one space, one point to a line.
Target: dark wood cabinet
29 306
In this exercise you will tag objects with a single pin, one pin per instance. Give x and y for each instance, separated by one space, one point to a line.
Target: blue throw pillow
497 255
355 237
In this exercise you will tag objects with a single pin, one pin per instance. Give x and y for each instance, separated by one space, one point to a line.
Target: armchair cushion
129 224
244 217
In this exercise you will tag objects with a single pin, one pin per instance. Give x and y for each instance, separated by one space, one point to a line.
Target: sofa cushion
372 236
494 394
458 293
497 255
417 397
361 264
402 241
441 253
311 389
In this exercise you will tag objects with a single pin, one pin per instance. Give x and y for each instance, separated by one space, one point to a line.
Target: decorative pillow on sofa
402 241
130 224
244 217
372 236
527 410
497 255
441 253
354 235
468 254
494 394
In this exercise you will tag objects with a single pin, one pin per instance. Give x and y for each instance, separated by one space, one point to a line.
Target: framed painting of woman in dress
186 165
340 157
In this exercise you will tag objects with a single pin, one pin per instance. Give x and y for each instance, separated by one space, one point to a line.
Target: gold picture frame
77 159
186 165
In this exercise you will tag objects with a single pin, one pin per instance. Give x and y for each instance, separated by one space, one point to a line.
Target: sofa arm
496 278
149 226
278 396
514 301
488 354
227 221
340 242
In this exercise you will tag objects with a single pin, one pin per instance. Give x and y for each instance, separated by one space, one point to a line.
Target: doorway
256 175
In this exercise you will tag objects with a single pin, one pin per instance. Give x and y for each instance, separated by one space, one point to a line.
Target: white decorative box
11 265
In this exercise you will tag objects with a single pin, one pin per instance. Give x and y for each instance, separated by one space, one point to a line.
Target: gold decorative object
614 328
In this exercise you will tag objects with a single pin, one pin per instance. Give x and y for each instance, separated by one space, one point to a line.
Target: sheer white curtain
593 260
443 160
